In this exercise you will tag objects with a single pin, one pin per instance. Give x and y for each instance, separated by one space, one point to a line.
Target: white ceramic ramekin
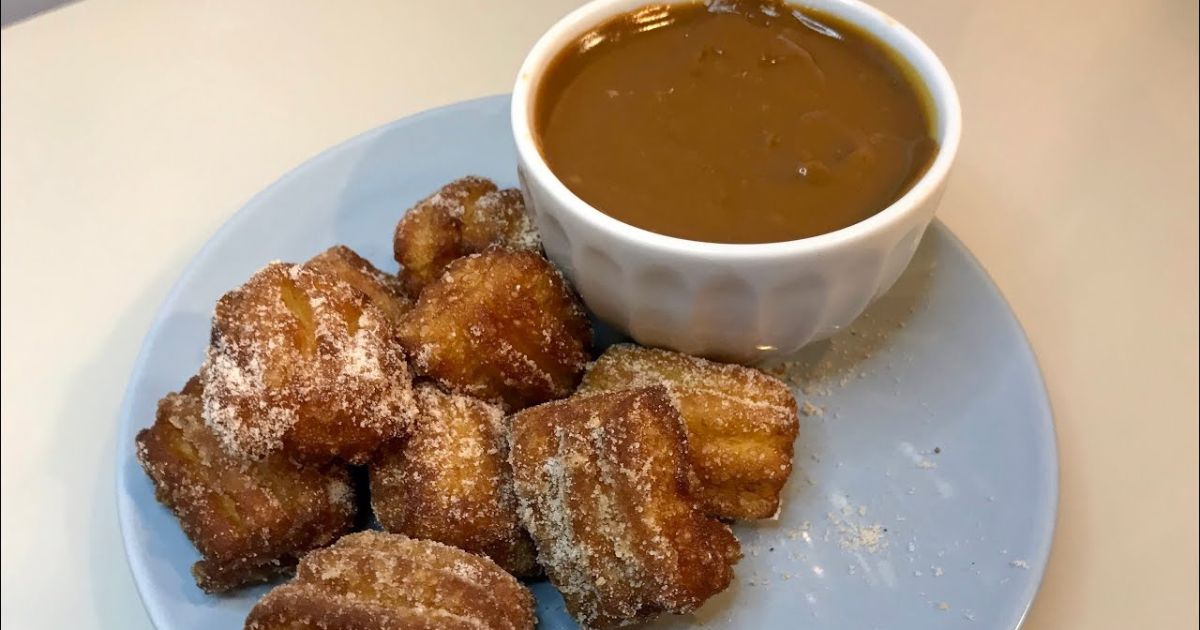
746 303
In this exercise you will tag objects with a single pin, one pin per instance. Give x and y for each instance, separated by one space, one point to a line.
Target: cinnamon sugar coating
384 290
450 481
463 217
741 423
502 326
249 520
601 482
377 581
303 362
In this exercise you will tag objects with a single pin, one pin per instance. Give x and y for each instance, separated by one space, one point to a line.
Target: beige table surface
132 129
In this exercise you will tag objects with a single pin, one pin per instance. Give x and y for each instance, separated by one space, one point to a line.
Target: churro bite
450 481
377 581
741 423
383 290
499 219
250 521
463 217
602 486
301 361
502 326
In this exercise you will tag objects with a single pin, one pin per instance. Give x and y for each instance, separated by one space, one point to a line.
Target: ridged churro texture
741 423
602 486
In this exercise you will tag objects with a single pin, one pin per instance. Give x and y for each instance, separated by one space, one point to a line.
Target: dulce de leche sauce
732 122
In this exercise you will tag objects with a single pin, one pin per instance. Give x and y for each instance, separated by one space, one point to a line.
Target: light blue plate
925 485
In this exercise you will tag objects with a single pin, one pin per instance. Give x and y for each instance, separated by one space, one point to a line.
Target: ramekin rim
923 61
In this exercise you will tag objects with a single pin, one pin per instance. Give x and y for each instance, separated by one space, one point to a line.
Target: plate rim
1047 405
124 426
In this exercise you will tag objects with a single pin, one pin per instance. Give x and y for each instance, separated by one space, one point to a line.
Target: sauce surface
732 122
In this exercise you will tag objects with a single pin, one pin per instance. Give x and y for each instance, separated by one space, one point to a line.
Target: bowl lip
924 63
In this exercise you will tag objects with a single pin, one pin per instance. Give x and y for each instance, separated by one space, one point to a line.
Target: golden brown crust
499 218
601 482
502 326
302 362
741 423
250 520
427 239
218 577
384 290
463 217
450 481
377 581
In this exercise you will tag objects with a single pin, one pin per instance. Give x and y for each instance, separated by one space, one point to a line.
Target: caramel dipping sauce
732 122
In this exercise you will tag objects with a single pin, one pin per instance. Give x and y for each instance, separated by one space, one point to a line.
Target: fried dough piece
250 520
429 236
463 217
601 483
384 290
302 362
449 481
377 581
741 423
499 218
502 326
